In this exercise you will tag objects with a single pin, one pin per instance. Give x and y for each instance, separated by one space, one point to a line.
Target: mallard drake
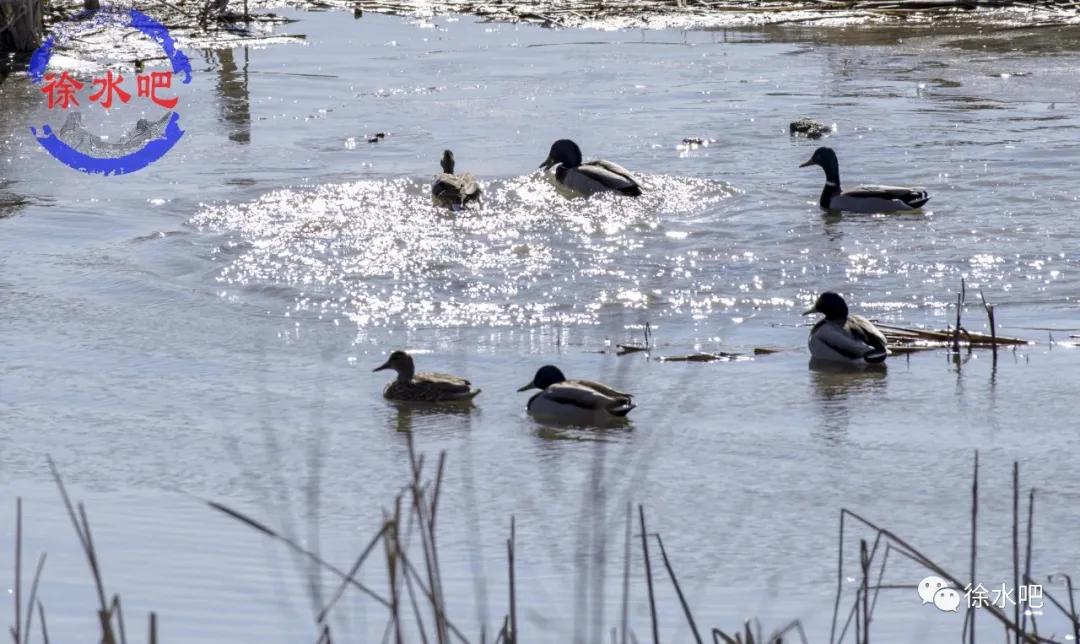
841 337
588 178
867 199
576 401
423 387
454 191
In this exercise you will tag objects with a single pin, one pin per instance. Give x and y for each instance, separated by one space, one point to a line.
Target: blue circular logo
149 141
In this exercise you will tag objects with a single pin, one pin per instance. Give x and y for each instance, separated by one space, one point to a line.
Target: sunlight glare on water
379 253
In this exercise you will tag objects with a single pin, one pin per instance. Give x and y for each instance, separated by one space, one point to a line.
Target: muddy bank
697 14
205 24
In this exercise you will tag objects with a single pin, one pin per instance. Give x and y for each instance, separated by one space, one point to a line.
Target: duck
583 402
410 386
588 178
841 337
864 199
454 191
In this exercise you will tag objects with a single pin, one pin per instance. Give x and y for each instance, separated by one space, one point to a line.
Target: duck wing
602 388
442 382
865 331
579 395
455 190
831 341
600 175
881 198
470 188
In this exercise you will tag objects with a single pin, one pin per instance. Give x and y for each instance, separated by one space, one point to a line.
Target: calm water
208 326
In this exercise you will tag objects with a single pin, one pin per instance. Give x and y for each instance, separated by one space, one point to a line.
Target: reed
648 576
416 604
1015 626
21 25
970 616
678 591
110 615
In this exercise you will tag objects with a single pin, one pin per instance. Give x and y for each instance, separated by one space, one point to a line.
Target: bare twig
626 576
512 633
678 591
974 543
648 575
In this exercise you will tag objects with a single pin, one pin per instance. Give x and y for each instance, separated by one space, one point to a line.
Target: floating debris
688 14
691 143
720 356
908 339
646 345
810 128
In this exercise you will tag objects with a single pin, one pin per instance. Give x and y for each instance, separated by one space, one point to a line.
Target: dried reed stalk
648 575
678 591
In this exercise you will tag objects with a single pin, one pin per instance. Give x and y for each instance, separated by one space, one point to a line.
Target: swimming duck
866 199
576 401
588 178
423 387
841 337
454 191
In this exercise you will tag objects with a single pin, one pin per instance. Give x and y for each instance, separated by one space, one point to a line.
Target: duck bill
385 365
810 311
810 162
531 385
548 162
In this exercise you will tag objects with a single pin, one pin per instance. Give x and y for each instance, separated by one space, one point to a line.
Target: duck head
447 162
826 158
400 362
831 305
545 377
563 151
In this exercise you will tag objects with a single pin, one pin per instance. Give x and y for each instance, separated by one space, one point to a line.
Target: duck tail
632 191
876 356
919 201
622 410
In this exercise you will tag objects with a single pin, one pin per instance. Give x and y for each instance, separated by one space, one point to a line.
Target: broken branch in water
990 316
960 301
907 339
702 357
624 349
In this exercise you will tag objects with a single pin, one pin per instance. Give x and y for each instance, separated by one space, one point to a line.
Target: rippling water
208 326
378 253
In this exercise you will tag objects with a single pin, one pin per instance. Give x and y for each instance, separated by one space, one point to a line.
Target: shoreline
723 14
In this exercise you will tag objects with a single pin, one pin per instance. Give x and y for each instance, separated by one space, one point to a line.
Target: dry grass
110 614
416 609
857 617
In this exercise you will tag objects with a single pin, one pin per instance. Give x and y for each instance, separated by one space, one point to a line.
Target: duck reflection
406 417
232 87
611 431
10 202
838 387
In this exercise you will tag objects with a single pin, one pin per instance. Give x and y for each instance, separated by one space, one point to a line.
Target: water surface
208 326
